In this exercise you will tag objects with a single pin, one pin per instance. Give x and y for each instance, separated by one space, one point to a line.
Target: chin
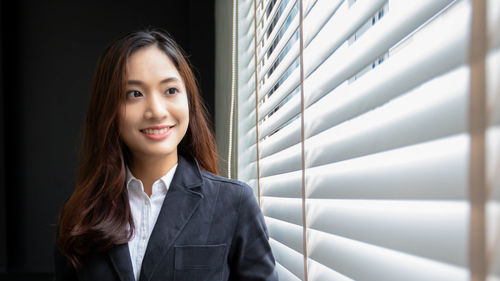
162 153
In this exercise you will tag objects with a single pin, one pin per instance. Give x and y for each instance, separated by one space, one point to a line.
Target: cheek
186 112
126 120
122 115
183 110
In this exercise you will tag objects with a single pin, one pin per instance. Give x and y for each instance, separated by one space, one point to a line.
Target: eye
133 94
171 91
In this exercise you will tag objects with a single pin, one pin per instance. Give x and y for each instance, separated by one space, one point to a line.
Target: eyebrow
166 80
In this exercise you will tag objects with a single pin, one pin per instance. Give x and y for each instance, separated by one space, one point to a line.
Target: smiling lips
157 132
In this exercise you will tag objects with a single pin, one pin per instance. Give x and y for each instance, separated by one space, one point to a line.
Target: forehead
149 63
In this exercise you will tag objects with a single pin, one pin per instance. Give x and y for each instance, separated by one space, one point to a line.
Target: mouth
157 132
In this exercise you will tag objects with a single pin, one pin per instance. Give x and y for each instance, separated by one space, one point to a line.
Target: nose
156 108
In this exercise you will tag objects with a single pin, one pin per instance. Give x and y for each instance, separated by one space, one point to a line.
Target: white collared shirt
145 211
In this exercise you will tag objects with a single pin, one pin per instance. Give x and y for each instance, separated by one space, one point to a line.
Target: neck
151 169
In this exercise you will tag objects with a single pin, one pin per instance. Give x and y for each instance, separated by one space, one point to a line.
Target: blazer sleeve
63 269
251 256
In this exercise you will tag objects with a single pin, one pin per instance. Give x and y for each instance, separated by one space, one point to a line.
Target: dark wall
3 246
48 54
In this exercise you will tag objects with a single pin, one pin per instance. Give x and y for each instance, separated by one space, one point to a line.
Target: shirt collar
166 179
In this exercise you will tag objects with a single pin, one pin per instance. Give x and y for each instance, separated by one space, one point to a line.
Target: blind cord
233 85
478 262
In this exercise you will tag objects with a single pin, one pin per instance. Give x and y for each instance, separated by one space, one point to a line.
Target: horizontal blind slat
285 88
493 87
246 103
278 6
493 232
285 113
282 22
319 14
493 22
283 185
337 31
253 184
285 65
247 135
246 68
345 256
493 201
434 170
246 44
285 209
346 62
248 124
314 20
415 64
418 62
287 160
285 274
431 111
277 74
492 142
408 67
284 53
431 229
245 76
288 258
245 8
247 171
267 18
286 137
287 234
319 272
246 41
246 87
250 154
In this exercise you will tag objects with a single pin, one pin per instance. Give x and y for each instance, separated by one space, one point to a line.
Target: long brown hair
97 215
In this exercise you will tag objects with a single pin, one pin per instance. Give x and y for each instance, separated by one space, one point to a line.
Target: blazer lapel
120 258
181 201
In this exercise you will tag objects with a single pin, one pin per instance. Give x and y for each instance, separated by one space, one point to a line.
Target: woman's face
155 115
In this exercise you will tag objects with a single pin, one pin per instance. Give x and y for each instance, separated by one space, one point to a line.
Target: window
358 140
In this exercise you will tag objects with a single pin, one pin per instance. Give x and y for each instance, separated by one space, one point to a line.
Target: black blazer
209 228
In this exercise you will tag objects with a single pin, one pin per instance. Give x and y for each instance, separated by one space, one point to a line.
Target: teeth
155 132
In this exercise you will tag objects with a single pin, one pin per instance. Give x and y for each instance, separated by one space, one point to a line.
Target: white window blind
355 131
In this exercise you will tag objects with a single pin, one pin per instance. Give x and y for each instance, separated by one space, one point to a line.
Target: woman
147 204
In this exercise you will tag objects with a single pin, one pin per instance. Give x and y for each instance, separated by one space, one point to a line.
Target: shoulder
230 183
228 186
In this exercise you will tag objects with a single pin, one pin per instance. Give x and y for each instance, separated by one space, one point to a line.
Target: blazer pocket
199 256
199 262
